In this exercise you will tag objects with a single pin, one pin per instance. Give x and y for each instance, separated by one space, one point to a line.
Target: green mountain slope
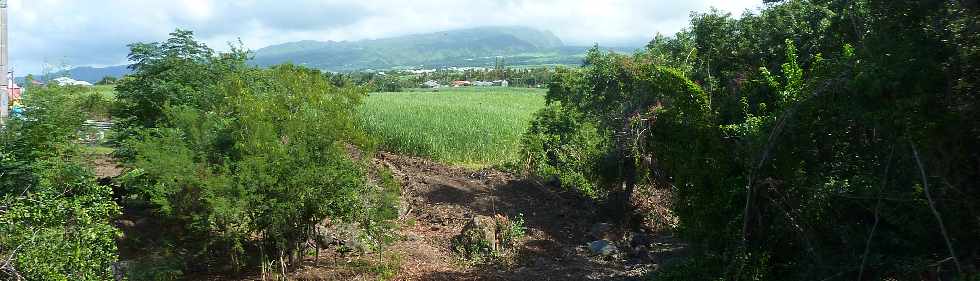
465 47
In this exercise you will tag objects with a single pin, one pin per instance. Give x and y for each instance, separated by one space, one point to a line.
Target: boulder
480 230
342 236
603 248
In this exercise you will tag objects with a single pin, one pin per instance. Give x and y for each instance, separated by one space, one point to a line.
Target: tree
107 80
179 71
812 140
29 81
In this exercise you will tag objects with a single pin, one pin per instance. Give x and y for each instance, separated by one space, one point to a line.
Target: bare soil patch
439 200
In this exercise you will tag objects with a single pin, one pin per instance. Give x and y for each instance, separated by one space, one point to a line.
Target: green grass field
473 127
109 91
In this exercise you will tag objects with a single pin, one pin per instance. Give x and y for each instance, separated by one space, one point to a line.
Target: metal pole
4 82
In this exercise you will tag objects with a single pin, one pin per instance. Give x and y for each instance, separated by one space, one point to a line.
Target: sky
58 33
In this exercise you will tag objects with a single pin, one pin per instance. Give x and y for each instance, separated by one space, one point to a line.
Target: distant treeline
396 80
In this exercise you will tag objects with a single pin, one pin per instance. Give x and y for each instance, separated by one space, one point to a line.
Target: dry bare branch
935 212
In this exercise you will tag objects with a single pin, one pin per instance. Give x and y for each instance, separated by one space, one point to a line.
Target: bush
62 230
96 104
561 147
511 231
240 169
268 165
54 218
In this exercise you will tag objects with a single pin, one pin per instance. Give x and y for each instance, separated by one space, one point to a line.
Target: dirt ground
440 199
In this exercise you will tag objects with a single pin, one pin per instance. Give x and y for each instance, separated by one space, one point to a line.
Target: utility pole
4 65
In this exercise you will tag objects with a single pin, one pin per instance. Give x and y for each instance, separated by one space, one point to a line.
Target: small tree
107 80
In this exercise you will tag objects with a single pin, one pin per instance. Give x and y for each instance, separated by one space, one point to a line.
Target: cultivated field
474 127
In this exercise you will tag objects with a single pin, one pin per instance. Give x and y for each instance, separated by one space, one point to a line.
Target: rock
483 237
600 230
480 230
343 236
603 248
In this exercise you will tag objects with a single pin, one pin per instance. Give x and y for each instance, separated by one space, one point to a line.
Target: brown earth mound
440 200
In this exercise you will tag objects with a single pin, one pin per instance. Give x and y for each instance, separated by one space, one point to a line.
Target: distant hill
519 46
464 47
84 73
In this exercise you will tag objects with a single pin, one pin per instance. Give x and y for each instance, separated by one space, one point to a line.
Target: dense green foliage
97 101
566 150
54 217
239 164
468 126
811 140
178 72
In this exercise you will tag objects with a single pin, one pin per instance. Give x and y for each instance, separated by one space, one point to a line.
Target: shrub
561 147
96 104
54 218
511 231
241 170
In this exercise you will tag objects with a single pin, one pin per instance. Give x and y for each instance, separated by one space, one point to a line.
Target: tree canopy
809 140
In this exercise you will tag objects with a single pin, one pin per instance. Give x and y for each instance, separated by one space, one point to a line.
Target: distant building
431 84
482 83
13 90
65 81
501 83
422 71
461 83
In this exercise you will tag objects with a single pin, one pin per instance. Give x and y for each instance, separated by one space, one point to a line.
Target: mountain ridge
82 73
469 47
479 46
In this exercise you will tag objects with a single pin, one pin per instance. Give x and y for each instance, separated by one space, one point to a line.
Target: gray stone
328 235
603 248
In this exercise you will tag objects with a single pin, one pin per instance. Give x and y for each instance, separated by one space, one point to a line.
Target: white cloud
96 32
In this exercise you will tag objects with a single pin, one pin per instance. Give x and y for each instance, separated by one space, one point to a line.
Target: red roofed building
13 90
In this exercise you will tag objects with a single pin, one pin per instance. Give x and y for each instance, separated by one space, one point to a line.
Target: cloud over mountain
95 32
